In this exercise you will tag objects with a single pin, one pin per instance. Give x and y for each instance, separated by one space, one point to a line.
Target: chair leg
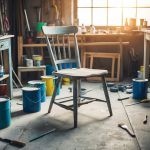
54 94
75 102
107 95
79 90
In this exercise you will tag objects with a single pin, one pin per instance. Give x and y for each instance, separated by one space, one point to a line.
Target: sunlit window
99 16
112 12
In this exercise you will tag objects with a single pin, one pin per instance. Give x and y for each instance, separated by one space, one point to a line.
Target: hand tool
142 101
125 127
146 119
13 142
42 135
124 98
120 98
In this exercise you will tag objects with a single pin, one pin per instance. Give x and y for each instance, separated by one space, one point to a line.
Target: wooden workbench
83 44
5 45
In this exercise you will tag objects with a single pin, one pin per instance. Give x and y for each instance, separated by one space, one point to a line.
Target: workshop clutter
36 91
39 28
41 85
37 59
138 89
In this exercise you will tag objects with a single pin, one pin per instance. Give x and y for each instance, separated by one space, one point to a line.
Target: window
112 12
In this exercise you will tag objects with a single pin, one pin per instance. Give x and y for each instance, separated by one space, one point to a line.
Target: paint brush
125 127
13 142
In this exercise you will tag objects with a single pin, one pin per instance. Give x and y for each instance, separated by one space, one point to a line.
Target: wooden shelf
4 77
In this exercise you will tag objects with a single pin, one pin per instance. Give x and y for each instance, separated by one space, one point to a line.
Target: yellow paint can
66 81
49 84
142 68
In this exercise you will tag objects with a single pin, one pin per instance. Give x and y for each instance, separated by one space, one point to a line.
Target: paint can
49 84
39 26
49 69
37 59
140 87
29 62
66 81
5 113
3 89
42 86
31 99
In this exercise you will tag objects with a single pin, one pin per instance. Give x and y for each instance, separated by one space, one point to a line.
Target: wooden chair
64 55
101 55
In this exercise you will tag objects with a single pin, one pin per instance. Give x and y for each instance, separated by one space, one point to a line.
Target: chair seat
81 72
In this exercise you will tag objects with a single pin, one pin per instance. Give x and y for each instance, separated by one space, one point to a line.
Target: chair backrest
62 46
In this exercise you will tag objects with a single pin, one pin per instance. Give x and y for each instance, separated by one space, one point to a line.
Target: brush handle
17 143
126 128
124 98
13 142
131 134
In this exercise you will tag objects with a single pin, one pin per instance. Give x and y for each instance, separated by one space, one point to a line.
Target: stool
30 69
113 56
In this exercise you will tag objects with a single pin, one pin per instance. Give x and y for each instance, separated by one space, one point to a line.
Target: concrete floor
96 131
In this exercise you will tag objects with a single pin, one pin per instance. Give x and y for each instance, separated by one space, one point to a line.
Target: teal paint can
140 87
41 85
5 113
49 69
31 99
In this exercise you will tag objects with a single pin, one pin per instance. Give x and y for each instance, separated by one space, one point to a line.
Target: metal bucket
5 114
31 99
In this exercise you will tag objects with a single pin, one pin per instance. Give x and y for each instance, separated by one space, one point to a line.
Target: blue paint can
5 114
31 99
49 69
42 86
140 87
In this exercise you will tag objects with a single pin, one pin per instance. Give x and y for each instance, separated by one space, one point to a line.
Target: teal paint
5 113
31 99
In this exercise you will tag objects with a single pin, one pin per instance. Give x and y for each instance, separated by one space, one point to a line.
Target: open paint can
140 87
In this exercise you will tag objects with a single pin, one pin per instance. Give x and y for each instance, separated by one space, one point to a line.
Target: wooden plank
20 49
79 44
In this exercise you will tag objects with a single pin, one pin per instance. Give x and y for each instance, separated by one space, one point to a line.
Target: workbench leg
146 58
20 50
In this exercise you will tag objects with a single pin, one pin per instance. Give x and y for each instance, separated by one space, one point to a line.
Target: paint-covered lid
33 82
2 99
47 77
30 89
140 80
